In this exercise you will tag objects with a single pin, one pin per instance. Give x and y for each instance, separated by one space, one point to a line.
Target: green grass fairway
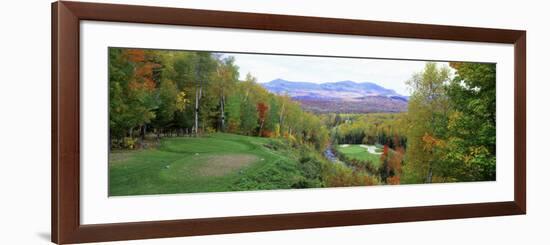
214 163
359 153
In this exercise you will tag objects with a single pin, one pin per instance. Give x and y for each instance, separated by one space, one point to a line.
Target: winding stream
329 154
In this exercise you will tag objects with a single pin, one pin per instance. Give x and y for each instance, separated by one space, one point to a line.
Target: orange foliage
267 133
143 73
432 142
393 160
384 155
396 159
455 65
394 180
262 111
135 55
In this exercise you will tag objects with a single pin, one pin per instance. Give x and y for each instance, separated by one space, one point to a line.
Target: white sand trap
371 149
344 146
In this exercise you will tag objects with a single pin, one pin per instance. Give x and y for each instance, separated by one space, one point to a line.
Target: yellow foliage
181 101
277 132
431 142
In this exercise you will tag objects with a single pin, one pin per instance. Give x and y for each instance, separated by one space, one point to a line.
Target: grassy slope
360 153
174 167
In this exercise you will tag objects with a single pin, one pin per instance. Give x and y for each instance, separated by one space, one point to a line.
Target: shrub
129 143
338 175
210 130
277 145
278 175
310 168
267 134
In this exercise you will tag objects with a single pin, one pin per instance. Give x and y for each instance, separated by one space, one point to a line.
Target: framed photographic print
177 122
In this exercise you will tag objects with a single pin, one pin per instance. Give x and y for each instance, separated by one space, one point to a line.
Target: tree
233 110
427 115
384 166
131 87
272 120
176 91
471 148
249 117
262 113
120 71
227 75
395 165
182 64
167 105
253 103
204 65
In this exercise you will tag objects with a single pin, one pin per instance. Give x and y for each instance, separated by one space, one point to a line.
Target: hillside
343 96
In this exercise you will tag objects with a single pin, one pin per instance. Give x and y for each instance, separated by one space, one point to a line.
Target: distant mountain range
343 96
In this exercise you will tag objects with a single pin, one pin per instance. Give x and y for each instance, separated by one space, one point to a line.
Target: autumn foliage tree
262 113
452 124
427 118
471 144
385 170
131 91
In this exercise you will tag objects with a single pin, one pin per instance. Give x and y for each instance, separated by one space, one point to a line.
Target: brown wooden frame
66 17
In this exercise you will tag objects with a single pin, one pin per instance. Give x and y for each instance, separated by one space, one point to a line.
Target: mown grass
359 153
178 166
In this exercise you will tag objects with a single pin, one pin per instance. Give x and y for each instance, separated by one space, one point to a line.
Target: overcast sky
391 74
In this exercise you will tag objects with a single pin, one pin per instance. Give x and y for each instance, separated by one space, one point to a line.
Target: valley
340 97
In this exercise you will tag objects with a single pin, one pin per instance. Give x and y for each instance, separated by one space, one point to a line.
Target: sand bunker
224 164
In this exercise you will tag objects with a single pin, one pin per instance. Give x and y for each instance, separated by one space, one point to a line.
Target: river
329 154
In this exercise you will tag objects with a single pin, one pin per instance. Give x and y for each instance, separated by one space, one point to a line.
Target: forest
184 121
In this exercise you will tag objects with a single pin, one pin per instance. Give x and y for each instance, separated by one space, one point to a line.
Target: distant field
219 162
369 104
360 153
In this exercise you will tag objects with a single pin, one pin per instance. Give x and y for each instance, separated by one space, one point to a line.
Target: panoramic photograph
201 121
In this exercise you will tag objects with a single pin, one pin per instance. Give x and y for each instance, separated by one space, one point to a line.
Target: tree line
161 93
370 129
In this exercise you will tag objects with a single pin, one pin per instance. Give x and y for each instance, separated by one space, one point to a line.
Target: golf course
369 153
217 162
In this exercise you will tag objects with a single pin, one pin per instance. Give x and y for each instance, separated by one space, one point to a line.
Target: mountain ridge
330 89
341 96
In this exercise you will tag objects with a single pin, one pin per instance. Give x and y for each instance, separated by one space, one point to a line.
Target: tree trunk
261 127
196 127
430 172
281 116
246 95
222 107
143 131
198 95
